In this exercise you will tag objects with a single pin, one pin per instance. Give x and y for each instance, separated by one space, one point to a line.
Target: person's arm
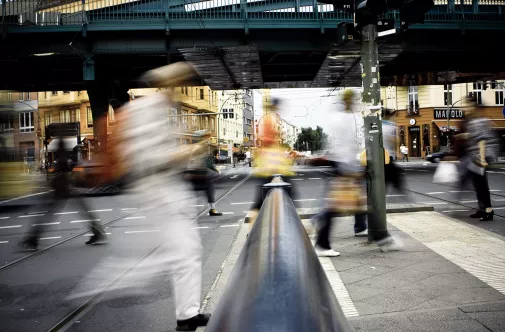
482 150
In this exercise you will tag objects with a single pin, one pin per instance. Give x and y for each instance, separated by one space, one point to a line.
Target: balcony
413 109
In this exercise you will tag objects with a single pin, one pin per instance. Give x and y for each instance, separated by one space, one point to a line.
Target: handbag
446 172
346 195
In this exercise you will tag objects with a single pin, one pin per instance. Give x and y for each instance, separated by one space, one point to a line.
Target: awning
68 142
454 124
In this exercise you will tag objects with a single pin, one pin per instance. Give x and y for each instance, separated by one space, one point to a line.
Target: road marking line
301 174
339 288
103 210
424 164
395 195
199 205
2 242
63 213
199 227
93 234
494 199
3 218
464 202
133 232
21 197
139 217
296 179
31 215
234 177
434 203
499 208
495 190
305 200
436 193
455 211
128 209
47 223
314 178
50 238
228 213
84 220
12 226
241 203
229 225
38 212
461 191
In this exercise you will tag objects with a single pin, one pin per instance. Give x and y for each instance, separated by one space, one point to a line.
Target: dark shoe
193 323
477 214
488 216
30 243
213 212
97 239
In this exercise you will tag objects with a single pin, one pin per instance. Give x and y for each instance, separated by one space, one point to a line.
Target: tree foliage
311 139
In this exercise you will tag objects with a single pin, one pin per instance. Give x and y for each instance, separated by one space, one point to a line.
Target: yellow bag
363 162
346 195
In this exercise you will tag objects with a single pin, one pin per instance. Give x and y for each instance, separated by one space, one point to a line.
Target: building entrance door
414 142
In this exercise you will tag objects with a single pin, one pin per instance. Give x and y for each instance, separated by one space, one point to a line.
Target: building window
230 111
21 96
477 92
89 117
66 92
9 96
47 119
447 94
54 93
225 114
174 121
207 122
65 116
195 122
201 94
413 96
26 123
7 125
185 119
212 125
498 95
111 114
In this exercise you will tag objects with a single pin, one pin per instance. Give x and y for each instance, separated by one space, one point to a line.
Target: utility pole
377 227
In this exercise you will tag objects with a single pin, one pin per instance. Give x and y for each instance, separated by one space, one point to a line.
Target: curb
308 213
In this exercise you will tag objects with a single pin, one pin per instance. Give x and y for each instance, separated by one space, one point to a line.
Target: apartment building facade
426 116
20 127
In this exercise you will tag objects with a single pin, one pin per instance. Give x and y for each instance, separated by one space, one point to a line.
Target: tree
311 140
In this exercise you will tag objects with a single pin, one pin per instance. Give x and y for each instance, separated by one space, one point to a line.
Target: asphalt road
35 286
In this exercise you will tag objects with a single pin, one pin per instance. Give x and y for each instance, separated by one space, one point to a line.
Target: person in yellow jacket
270 157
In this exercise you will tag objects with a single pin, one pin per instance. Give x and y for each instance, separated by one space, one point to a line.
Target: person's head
347 98
470 106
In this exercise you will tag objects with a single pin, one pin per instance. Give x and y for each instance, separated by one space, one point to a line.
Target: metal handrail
278 283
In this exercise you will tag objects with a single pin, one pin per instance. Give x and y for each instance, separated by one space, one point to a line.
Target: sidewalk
450 276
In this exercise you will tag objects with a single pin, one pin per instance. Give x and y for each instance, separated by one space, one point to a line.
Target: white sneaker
390 244
326 252
362 233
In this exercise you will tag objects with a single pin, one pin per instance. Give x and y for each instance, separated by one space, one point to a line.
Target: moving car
436 157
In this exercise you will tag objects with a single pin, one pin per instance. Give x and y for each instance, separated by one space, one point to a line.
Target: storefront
430 130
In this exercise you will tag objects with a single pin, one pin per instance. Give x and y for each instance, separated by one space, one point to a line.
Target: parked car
93 176
436 157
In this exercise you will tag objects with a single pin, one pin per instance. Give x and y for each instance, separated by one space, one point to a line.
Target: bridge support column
377 227
102 95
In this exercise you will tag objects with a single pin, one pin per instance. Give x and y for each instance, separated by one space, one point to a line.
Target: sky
303 107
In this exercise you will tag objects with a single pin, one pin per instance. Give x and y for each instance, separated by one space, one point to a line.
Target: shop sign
442 114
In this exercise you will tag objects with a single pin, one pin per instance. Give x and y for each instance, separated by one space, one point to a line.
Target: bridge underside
229 59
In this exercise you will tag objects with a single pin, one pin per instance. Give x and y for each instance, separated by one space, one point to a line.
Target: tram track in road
80 309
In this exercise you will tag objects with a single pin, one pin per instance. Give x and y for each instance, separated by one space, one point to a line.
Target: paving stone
391 301
458 280
359 293
443 314
494 321
475 294
342 265
398 323
449 326
439 266
431 291
433 304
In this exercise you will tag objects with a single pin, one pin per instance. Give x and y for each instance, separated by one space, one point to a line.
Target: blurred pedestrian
481 147
405 152
201 173
248 157
343 193
60 184
156 164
